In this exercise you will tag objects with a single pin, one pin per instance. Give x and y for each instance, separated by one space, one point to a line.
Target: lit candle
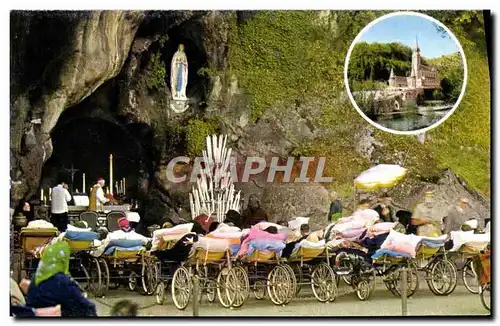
45 200
84 183
50 193
124 187
116 187
111 173
41 195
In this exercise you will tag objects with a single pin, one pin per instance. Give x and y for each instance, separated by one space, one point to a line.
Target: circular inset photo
405 73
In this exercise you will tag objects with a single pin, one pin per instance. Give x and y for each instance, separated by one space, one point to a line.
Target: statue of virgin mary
179 74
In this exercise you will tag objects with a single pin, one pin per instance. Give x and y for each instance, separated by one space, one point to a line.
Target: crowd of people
52 291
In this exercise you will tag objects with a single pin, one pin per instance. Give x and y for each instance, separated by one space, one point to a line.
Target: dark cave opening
85 144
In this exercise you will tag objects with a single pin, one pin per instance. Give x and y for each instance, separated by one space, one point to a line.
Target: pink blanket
380 228
402 247
255 233
353 234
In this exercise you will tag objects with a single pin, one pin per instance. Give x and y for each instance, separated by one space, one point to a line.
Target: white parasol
380 176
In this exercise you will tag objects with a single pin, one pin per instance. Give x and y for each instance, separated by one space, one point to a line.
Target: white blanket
226 228
311 245
460 238
297 222
176 231
39 224
75 229
211 244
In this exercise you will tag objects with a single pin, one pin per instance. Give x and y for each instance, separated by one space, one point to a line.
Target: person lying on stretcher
124 233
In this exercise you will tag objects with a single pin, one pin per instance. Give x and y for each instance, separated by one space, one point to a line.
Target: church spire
416 44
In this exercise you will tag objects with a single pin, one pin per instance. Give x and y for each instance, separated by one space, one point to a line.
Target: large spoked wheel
84 280
211 288
411 282
105 276
223 293
181 288
346 264
442 277
278 284
486 296
160 293
149 278
132 281
259 289
366 286
293 283
95 285
323 282
239 285
299 277
469 277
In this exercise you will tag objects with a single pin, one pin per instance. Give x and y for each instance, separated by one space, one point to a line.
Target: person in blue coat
52 284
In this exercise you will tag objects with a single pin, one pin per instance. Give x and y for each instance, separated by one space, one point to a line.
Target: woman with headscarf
52 285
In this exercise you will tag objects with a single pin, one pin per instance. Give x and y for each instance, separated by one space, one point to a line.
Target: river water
414 118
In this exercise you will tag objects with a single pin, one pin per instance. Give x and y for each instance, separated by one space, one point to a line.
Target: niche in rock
190 34
86 143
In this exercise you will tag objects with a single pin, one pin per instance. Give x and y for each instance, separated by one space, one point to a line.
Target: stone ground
382 303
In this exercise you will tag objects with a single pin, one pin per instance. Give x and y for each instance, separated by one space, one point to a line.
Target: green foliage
368 85
163 40
450 68
155 73
374 61
288 57
196 131
285 57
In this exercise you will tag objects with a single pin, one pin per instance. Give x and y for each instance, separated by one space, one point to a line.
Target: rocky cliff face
113 68
92 50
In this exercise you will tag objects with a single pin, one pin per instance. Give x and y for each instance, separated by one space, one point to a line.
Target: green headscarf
55 259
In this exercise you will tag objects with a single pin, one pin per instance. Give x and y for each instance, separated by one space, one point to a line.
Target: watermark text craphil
275 169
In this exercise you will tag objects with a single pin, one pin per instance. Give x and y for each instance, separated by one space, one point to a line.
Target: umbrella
380 176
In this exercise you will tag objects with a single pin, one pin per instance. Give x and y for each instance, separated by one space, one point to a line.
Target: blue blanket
81 236
234 249
432 244
390 253
123 243
111 250
265 245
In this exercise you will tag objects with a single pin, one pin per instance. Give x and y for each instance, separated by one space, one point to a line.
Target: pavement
382 303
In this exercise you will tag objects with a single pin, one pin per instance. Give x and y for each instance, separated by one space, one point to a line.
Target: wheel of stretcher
293 283
160 293
470 278
149 278
224 294
486 296
411 282
366 286
238 285
323 282
259 289
84 280
442 277
105 276
278 285
299 277
132 281
211 288
182 287
95 284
